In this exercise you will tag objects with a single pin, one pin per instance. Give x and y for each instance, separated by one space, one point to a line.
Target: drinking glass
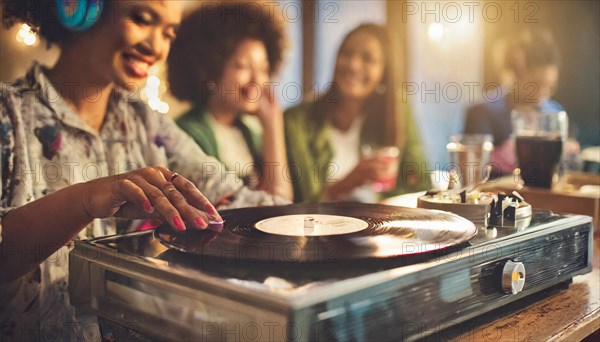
469 155
539 139
391 156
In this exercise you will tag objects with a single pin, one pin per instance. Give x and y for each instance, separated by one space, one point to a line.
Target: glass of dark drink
539 138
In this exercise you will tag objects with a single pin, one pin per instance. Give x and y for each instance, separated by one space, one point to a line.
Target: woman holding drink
356 140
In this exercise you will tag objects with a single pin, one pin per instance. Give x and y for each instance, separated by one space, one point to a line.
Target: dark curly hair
209 36
41 15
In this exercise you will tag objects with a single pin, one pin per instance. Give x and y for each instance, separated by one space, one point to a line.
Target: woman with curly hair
77 151
222 63
360 109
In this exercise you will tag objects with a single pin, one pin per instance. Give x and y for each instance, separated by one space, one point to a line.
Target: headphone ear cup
93 12
81 17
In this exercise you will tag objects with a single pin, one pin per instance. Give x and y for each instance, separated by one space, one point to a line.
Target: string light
153 89
26 35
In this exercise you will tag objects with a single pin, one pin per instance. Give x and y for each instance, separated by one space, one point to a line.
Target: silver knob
513 277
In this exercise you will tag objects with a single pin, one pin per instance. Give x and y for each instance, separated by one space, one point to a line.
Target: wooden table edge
580 329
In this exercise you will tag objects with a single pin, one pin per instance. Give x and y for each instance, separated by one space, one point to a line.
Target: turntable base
138 283
555 314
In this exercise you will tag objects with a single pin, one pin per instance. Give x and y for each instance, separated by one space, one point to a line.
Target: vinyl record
322 232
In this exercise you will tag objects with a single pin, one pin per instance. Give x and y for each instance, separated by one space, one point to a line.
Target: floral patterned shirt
45 146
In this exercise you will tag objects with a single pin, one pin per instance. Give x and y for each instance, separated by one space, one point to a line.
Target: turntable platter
322 232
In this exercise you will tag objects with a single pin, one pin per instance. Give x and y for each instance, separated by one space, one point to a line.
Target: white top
233 149
346 148
346 155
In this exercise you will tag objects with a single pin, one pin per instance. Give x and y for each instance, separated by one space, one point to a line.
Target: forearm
275 178
33 232
340 190
334 192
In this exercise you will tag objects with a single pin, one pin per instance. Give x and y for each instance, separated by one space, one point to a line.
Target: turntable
322 272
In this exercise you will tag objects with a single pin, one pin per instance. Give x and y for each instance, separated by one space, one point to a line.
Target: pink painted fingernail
216 226
148 207
178 223
201 223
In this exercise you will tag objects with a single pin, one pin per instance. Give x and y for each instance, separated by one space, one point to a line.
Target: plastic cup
387 182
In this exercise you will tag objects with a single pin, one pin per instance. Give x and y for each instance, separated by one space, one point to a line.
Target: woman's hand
367 171
151 192
269 111
53 220
275 176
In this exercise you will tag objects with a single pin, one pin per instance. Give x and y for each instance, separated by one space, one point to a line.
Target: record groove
391 232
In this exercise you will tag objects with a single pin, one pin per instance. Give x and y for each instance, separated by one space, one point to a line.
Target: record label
311 225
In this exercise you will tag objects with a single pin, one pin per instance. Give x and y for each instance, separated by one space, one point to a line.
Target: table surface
558 314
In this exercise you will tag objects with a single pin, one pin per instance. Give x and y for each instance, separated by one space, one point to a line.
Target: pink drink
391 155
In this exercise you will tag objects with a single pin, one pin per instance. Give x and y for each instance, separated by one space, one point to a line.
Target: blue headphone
79 15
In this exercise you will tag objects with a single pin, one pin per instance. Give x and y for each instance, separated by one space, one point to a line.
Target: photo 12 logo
468 92
290 11
470 11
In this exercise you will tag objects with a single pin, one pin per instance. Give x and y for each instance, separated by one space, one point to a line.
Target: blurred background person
222 63
326 140
532 61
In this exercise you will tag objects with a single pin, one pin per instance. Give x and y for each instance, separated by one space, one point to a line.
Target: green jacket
309 154
195 124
